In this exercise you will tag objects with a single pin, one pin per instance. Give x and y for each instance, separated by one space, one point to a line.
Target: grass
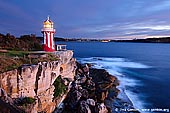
13 59
17 53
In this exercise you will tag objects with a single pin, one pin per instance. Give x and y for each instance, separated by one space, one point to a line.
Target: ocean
143 69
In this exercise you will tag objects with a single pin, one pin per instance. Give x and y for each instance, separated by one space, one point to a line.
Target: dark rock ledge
93 91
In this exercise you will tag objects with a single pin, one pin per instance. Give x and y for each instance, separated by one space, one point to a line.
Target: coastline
123 102
95 90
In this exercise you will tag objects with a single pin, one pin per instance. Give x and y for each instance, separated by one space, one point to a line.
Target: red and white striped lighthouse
48 34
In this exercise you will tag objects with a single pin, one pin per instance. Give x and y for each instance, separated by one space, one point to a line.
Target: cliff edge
35 84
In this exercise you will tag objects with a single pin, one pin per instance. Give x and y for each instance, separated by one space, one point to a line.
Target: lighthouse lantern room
48 34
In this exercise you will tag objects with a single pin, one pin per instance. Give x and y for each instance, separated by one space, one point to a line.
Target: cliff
35 82
89 91
60 86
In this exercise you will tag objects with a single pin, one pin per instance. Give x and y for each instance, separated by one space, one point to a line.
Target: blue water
143 68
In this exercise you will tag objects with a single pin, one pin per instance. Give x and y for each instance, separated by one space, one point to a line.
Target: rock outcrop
36 81
89 90
35 88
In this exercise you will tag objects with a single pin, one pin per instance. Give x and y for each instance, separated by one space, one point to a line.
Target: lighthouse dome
48 23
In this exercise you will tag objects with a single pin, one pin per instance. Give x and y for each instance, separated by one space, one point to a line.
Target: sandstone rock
83 79
101 108
91 102
93 87
73 98
65 56
84 107
4 97
8 82
85 69
79 71
69 69
84 93
65 81
2 93
37 80
90 85
101 95
77 77
111 78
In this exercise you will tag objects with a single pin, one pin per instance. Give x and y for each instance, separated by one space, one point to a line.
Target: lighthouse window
48 26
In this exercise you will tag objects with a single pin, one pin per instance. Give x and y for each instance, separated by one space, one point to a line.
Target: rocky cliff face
89 91
36 81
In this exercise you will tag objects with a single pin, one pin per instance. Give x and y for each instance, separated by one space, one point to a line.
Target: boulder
91 102
101 108
73 98
84 93
4 97
85 69
101 95
84 107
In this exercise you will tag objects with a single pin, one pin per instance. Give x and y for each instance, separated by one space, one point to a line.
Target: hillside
24 43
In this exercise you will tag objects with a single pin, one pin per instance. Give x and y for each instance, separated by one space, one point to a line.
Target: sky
99 19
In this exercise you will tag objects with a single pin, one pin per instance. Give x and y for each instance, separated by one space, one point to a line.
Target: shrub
59 87
29 100
25 101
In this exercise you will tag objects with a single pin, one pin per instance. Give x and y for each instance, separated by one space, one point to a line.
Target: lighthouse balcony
48 29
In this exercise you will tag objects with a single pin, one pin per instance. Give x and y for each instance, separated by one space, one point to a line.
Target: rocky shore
95 91
89 91
63 86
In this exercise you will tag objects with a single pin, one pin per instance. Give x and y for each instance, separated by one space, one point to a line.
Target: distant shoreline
40 39
147 40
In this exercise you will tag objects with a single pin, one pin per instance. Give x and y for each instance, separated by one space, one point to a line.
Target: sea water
142 68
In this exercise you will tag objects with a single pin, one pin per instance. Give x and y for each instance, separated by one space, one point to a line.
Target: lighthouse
48 34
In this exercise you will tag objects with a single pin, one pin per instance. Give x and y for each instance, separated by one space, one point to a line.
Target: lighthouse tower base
46 48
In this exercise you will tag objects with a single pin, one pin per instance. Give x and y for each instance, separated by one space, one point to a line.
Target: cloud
157 27
125 29
162 5
90 19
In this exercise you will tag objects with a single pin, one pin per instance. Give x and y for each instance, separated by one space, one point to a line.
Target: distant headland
146 40
40 39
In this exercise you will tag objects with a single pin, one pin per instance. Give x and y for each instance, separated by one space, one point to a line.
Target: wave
116 66
118 62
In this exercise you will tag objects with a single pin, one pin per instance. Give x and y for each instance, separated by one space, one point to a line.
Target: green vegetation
7 63
28 100
13 59
24 43
25 101
15 52
60 88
